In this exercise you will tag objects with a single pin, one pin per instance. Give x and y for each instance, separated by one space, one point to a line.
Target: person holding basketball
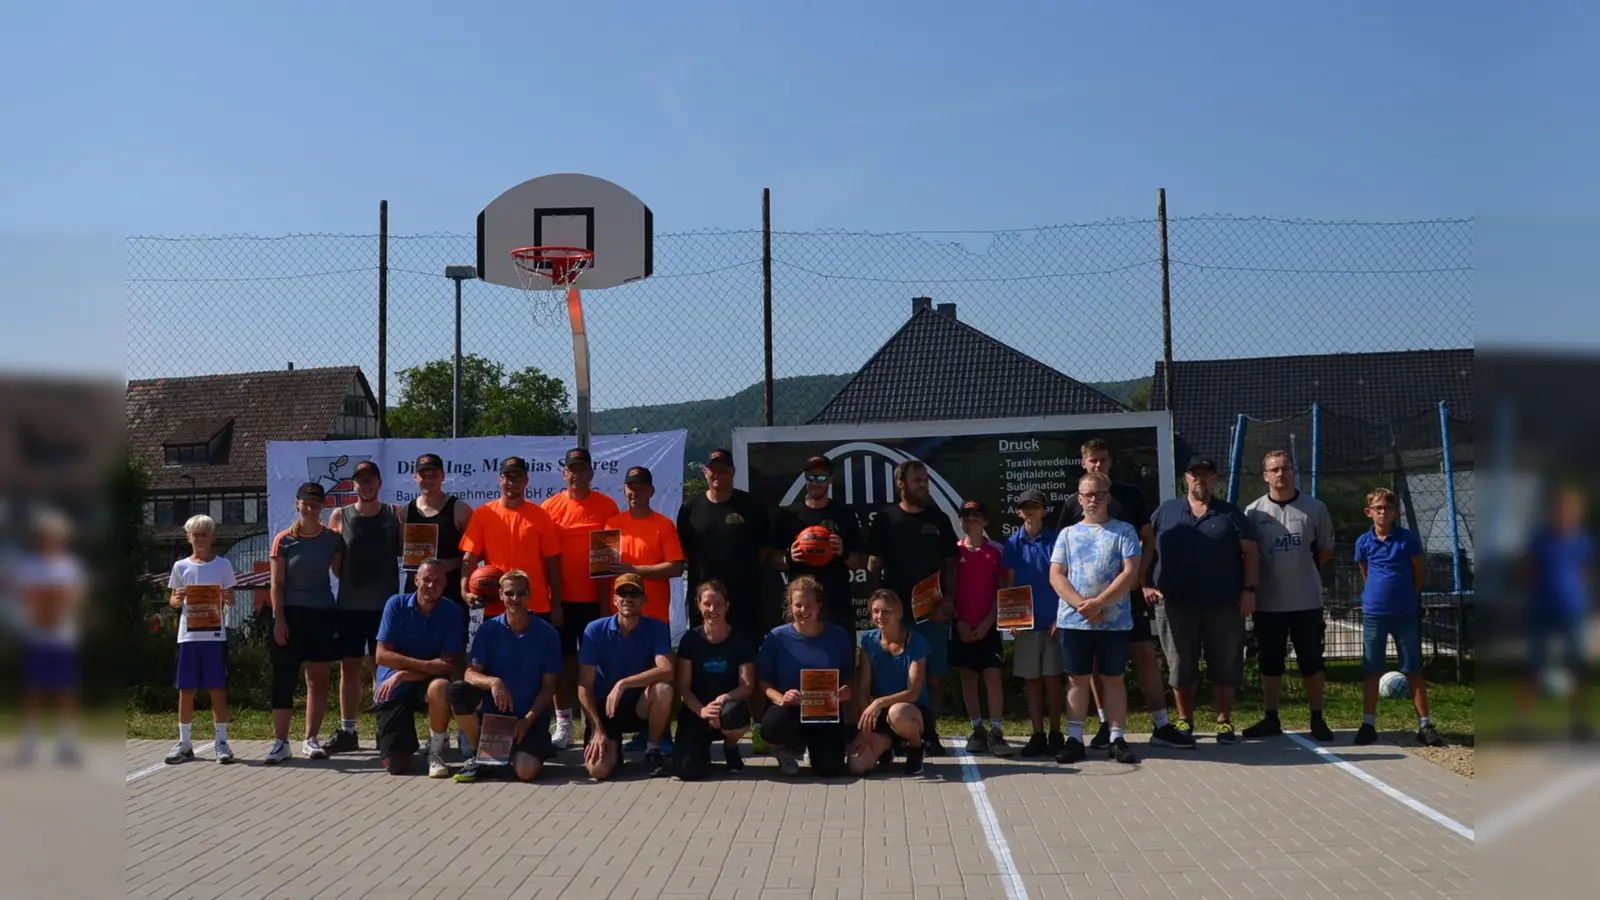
577 512
513 533
817 508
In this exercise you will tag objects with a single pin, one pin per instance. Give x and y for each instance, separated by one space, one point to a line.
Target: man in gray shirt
1295 533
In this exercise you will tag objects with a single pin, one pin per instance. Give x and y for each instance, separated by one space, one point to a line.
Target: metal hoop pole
580 363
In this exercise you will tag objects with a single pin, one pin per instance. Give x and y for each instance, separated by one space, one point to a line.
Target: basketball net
549 277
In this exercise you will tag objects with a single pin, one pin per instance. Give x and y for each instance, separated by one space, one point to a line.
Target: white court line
1537 803
149 770
1384 788
1015 890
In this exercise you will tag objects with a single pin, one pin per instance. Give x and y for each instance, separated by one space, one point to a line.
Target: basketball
486 581
816 546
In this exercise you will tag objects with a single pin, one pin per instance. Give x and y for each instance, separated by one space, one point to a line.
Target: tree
492 401
1139 400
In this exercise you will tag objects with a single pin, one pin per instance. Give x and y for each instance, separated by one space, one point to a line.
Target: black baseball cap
973 506
819 462
311 491
366 467
578 455
513 464
638 475
1200 462
720 455
429 461
1031 496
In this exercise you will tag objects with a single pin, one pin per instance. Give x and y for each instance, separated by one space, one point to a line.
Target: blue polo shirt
520 660
1391 588
1199 560
1561 562
417 635
1029 560
616 656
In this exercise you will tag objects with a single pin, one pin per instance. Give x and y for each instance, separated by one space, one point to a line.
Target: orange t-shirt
575 519
650 541
521 538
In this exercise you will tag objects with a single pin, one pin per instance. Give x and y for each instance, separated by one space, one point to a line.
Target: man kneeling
512 671
419 641
625 681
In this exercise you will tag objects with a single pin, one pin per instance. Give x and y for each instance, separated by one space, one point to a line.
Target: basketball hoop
546 273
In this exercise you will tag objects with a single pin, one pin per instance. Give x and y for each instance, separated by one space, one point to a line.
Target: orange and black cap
513 464
720 455
578 455
311 491
429 461
638 475
367 467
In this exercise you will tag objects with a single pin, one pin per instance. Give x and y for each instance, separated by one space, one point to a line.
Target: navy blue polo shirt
1198 560
1029 560
417 634
616 656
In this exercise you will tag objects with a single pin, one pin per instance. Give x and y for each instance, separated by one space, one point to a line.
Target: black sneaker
1428 736
342 741
656 764
978 743
1225 733
1319 728
933 746
1057 741
1365 735
1170 735
732 758
913 763
998 745
1269 726
1072 752
1036 746
1102 738
1122 753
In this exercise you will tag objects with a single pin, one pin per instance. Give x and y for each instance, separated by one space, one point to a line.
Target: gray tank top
307 579
371 573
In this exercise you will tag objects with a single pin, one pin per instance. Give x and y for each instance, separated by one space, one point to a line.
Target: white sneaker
180 752
224 752
562 739
312 748
436 765
280 751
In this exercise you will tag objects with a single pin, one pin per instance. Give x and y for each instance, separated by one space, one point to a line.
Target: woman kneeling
894 676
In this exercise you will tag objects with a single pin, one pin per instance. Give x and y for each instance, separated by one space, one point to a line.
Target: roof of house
937 367
279 405
58 434
1355 393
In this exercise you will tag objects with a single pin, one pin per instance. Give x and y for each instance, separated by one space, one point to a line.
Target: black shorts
984 653
397 725
1276 630
627 720
575 617
1085 651
358 632
313 636
1142 617
883 724
466 700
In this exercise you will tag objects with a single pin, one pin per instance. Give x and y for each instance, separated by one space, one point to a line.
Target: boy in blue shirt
1036 655
1392 568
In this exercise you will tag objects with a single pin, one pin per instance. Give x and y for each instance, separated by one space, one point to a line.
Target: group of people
1107 576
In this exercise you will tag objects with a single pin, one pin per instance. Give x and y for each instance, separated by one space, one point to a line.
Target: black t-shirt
835 576
724 541
1127 505
714 668
911 545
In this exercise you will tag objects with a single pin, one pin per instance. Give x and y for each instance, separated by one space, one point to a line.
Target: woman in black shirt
716 676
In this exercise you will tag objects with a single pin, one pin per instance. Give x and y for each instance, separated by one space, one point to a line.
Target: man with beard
726 535
906 543
371 533
1204 584
818 508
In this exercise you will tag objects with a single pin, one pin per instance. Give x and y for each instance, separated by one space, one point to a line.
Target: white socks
222 732
436 740
1075 730
1160 718
185 733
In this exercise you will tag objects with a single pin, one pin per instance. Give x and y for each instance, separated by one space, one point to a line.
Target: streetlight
457 274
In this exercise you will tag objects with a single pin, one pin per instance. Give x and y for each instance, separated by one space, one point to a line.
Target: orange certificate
495 738
1014 608
422 541
202 607
605 548
819 695
926 597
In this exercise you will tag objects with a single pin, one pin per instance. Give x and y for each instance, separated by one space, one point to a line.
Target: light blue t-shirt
1094 555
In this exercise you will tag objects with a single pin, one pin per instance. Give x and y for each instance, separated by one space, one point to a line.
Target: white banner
472 472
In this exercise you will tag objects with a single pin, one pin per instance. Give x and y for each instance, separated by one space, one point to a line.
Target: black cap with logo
638 475
311 491
579 456
513 464
1201 462
1031 495
429 461
367 467
819 462
720 455
973 508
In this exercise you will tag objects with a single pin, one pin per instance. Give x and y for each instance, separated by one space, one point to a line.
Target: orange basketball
815 545
485 582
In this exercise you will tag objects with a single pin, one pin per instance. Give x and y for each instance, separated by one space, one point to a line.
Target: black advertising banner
992 461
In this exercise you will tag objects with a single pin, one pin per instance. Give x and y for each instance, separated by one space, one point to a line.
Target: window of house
187 454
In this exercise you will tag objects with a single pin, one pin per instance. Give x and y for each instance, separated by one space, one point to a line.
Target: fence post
766 292
1316 454
1166 314
383 318
1236 459
1294 458
1450 496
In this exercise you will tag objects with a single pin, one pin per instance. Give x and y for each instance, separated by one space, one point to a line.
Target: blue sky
265 119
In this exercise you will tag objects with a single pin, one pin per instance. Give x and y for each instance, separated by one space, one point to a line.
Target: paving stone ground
1265 819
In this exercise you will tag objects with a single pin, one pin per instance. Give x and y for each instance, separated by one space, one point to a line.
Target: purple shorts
202 666
51 667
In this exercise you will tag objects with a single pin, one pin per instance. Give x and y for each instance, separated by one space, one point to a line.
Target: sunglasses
630 593
825 476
